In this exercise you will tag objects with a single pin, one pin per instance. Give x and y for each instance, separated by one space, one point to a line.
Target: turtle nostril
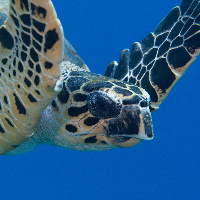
143 103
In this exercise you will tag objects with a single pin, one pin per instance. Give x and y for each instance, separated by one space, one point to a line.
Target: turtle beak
134 121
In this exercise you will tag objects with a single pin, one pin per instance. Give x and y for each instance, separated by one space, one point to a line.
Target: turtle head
99 113
124 113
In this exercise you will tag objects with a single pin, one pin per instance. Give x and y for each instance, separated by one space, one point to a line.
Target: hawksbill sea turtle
49 95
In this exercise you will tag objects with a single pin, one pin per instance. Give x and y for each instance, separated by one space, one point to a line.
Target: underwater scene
163 168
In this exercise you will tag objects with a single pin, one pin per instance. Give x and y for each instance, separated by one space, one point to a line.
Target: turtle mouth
134 121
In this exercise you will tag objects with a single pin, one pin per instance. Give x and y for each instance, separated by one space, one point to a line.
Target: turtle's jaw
130 127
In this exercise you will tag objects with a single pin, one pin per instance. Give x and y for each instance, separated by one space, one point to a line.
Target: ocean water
168 167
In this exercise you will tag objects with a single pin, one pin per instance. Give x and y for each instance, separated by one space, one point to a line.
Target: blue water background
168 167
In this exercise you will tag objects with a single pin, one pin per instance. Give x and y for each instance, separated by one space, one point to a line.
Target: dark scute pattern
4 61
37 80
141 73
14 62
185 19
26 39
74 83
96 86
182 55
15 20
192 30
38 68
187 25
19 105
102 106
76 111
91 139
63 96
1 129
150 56
26 29
9 122
149 67
6 39
48 65
17 53
137 70
24 48
31 64
38 25
51 38
196 11
193 43
14 72
37 36
161 38
13 11
30 73
177 42
163 48
26 19
145 83
134 100
38 92
20 67
147 43
176 30
136 89
42 11
91 121
23 56
26 4
129 125
27 82
192 7
122 91
121 84
34 55
71 128
136 56
122 68
33 8
161 75
32 98
37 46
168 21
5 99
80 97
131 80
185 5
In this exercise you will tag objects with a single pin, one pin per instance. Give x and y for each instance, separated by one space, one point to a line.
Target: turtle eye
102 106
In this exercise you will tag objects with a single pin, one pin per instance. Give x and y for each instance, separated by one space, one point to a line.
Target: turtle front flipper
164 55
31 52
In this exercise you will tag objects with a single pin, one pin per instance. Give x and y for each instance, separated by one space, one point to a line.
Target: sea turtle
49 96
